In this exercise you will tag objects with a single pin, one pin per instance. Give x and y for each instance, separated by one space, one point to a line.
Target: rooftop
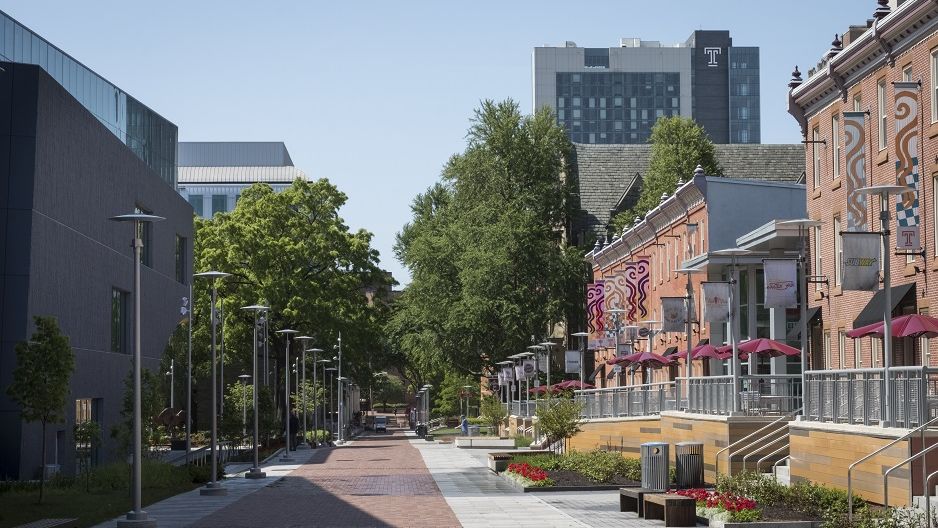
233 154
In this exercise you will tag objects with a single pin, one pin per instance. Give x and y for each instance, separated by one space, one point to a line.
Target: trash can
473 430
688 461
655 465
421 430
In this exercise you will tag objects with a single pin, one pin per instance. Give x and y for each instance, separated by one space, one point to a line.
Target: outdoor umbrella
538 390
645 359
616 360
912 325
705 351
573 384
768 347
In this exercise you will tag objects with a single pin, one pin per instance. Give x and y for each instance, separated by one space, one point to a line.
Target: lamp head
256 308
212 275
136 217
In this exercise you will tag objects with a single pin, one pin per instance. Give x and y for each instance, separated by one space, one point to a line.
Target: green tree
559 419
448 401
44 366
489 264
493 412
86 435
387 389
678 145
152 398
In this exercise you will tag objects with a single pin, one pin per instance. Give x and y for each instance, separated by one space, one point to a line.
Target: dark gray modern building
615 95
74 151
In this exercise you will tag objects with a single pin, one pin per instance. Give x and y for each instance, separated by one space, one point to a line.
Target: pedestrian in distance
464 423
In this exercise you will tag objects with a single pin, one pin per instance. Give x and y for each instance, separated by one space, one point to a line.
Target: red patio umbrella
646 359
616 360
768 347
912 325
705 351
572 384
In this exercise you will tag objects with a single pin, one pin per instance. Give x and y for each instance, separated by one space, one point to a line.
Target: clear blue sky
375 96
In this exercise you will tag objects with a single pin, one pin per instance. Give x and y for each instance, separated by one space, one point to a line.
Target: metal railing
526 408
769 394
632 400
855 396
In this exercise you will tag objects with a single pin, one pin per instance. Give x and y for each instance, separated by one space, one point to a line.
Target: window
876 347
145 234
744 136
934 85
857 103
180 259
816 154
934 206
881 108
838 251
197 203
907 73
842 348
827 349
857 354
923 344
118 321
576 101
560 115
835 141
817 256
576 113
560 102
219 203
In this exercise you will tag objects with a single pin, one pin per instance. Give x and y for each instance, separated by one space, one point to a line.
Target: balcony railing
632 400
770 394
854 396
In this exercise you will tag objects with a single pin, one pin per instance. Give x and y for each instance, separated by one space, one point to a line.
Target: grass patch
108 494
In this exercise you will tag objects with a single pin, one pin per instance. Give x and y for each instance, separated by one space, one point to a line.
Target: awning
592 376
702 342
873 311
814 315
669 351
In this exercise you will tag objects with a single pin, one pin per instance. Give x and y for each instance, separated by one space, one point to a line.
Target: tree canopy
489 263
678 145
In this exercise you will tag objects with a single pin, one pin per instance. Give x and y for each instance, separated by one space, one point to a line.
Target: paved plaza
389 480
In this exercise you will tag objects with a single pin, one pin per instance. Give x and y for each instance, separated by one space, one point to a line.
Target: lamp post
221 361
137 517
330 370
172 387
315 352
213 488
326 400
286 393
339 403
803 225
244 403
255 472
688 327
547 348
426 405
189 306
582 336
884 192
302 382
734 253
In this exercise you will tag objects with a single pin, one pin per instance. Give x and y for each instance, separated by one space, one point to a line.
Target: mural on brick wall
855 132
595 314
639 275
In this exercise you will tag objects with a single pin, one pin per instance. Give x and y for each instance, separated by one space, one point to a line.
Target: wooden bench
631 500
674 510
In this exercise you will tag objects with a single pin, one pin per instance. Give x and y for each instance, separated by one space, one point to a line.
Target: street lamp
244 403
213 488
884 192
255 471
332 420
341 408
315 352
302 381
688 362
286 393
324 362
582 336
172 388
426 405
734 253
137 517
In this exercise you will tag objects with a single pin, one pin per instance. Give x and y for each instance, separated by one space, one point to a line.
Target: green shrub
523 441
746 515
599 466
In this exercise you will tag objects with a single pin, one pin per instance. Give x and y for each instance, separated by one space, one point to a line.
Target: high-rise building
615 95
213 174
77 150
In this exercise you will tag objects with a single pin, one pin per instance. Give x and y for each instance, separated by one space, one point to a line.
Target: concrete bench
674 510
631 500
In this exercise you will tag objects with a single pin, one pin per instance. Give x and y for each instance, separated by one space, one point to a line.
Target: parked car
381 424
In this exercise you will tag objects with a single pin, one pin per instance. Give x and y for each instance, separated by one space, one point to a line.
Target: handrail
927 499
716 461
871 455
762 446
770 455
779 461
897 466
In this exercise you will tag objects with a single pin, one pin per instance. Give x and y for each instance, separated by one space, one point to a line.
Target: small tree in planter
44 366
559 419
493 412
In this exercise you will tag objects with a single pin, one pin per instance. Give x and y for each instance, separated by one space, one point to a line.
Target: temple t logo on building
712 54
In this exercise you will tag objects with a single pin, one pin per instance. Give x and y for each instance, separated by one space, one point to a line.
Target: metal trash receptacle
688 462
473 430
655 465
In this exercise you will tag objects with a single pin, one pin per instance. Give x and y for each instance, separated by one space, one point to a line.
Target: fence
632 400
759 395
854 396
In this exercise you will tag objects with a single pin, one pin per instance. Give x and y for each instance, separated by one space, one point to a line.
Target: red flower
528 471
713 499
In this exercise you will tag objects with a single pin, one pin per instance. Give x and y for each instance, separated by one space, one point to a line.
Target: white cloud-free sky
377 95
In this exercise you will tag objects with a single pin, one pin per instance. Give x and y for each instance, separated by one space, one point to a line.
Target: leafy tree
387 389
448 401
489 265
44 366
86 435
559 419
678 145
314 396
493 412
151 404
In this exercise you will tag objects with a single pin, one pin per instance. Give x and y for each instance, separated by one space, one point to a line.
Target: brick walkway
375 481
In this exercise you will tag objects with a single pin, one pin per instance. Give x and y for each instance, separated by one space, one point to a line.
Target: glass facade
208 199
615 107
148 135
744 95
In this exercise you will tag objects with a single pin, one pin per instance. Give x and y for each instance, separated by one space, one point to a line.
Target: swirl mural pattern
595 313
855 131
907 138
639 275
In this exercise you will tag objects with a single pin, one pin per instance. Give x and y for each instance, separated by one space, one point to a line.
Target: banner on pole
781 283
855 132
519 372
908 238
861 261
716 301
673 314
571 364
638 276
508 374
529 369
595 314
907 146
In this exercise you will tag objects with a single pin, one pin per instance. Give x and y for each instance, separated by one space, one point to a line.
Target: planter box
469 442
768 524
523 489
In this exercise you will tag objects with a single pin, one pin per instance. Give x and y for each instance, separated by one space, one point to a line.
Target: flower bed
718 506
529 476
579 470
